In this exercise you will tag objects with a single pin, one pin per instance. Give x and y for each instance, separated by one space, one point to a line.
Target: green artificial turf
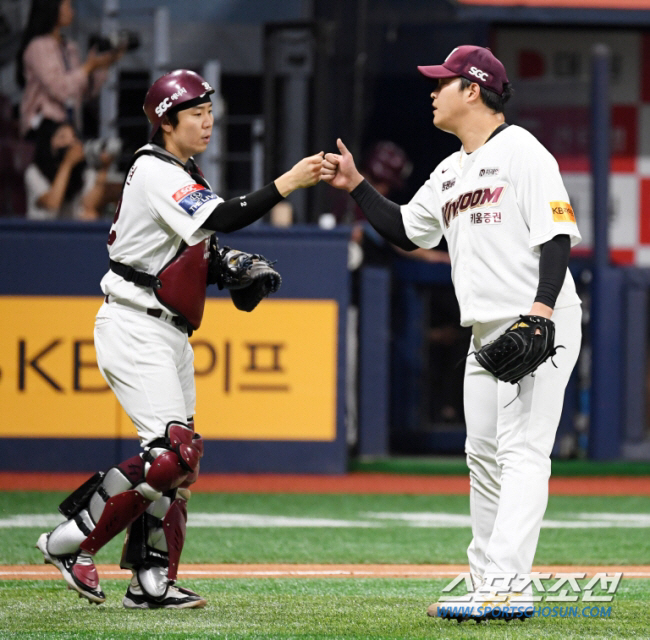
454 465
393 542
320 608
293 608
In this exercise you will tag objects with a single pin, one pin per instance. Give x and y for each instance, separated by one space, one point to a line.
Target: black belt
156 313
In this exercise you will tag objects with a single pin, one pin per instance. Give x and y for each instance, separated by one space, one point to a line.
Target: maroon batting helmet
180 89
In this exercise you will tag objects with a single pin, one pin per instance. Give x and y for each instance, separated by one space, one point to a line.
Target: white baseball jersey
495 207
161 206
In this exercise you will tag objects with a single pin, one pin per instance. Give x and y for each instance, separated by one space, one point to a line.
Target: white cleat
78 570
174 598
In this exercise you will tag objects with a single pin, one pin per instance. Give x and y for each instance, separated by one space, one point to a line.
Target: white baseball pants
508 447
149 365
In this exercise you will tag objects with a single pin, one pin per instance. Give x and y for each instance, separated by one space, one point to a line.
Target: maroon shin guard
174 524
119 512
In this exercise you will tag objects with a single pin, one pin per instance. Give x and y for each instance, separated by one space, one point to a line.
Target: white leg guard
87 510
114 483
67 537
153 583
152 574
151 546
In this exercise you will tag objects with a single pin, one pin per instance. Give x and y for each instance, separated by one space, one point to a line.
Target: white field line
577 521
365 520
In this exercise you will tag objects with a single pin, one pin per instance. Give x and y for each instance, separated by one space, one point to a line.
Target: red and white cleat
78 570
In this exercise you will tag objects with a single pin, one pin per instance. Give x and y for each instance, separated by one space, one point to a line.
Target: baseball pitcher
501 205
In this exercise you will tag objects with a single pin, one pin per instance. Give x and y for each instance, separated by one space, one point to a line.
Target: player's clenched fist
305 173
340 170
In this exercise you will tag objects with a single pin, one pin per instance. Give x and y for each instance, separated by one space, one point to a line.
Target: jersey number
112 235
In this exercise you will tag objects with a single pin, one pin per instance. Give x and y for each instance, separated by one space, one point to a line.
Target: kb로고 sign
266 375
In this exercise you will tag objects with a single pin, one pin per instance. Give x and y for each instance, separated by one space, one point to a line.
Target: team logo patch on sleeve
562 212
192 197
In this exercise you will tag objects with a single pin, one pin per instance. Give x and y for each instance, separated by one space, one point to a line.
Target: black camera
123 39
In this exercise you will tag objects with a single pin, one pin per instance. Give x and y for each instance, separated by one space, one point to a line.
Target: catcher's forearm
238 213
383 214
553 263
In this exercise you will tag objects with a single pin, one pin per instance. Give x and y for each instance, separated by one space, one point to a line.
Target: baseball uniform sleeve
177 201
541 194
423 226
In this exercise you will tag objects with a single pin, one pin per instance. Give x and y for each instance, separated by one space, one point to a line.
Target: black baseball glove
249 277
520 350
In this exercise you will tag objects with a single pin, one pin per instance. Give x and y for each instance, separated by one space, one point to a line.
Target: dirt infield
379 483
212 571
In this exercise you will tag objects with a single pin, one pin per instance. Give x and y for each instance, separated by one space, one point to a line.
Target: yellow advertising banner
265 375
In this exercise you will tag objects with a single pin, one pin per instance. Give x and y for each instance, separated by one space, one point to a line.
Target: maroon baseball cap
477 64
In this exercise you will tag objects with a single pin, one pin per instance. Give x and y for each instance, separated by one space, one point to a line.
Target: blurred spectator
59 182
386 167
49 68
15 155
448 344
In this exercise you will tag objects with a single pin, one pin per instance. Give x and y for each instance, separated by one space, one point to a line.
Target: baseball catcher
154 298
520 349
249 277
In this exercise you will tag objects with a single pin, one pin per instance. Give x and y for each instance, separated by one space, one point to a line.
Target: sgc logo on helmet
163 106
166 103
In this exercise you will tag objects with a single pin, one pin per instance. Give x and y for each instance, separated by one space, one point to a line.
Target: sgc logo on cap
482 75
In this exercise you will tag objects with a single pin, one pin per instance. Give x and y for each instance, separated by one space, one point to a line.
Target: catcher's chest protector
183 281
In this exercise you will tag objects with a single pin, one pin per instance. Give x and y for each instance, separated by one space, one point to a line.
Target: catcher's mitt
520 350
249 277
